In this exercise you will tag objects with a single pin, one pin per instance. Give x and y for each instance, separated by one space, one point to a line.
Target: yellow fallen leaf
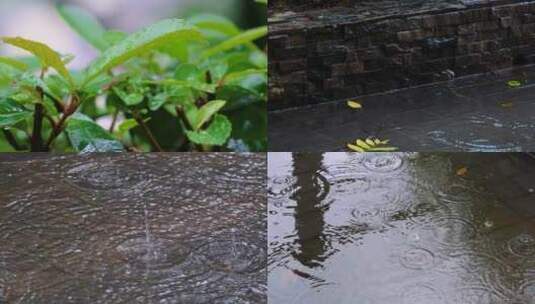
363 144
370 142
506 104
514 83
354 104
462 171
355 148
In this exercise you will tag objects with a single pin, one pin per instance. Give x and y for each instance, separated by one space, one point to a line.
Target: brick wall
307 4
314 58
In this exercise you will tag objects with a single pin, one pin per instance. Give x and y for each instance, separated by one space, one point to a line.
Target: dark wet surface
170 228
403 228
335 12
479 113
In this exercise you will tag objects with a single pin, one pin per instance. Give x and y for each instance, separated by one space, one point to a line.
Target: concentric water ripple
383 162
479 124
346 179
527 291
233 255
281 186
522 245
478 295
422 294
417 258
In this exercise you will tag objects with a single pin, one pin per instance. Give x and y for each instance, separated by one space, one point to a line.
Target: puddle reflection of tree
309 221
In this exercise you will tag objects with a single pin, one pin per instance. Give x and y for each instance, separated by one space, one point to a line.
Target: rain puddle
166 228
401 228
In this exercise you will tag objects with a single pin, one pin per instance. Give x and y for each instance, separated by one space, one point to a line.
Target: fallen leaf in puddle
514 83
506 104
354 104
462 172
355 148
363 144
371 145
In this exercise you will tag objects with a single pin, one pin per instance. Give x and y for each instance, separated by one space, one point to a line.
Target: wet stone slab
170 228
480 113
403 228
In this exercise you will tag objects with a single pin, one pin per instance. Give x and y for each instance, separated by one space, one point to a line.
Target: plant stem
58 128
50 120
57 104
147 131
114 121
37 139
11 140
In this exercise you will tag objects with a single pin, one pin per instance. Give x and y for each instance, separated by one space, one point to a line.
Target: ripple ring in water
281 186
417 259
527 290
233 255
448 232
479 295
480 124
346 179
383 162
522 245
422 294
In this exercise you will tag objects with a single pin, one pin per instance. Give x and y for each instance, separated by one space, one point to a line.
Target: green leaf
12 113
87 136
190 73
157 101
216 134
19 65
48 57
129 99
84 24
243 38
152 37
238 97
214 27
114 37
262 1
127 125
254 80
206 112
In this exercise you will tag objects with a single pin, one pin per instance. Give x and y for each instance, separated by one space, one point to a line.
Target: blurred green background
38 20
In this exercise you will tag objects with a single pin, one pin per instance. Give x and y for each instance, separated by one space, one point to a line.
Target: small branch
148 132
58 128
11 139
57 104
114 121
37 139
50 120
183 117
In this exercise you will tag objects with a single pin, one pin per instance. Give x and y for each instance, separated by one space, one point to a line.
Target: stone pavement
478 113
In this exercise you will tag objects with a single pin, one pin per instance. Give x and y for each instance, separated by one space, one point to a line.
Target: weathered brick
410 36
323 59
